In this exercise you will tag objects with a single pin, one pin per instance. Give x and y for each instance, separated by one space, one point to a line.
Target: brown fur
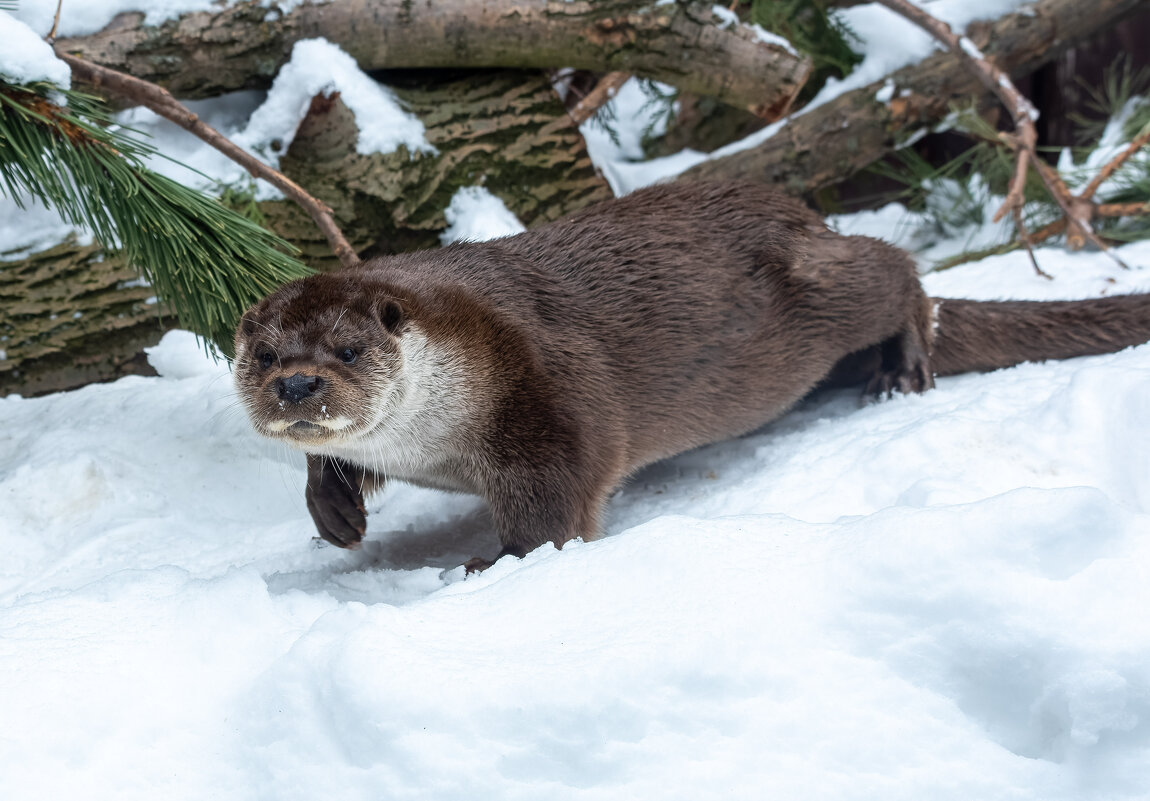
589 347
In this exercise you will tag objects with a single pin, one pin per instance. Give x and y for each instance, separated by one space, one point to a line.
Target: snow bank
938 596
80 18
265 124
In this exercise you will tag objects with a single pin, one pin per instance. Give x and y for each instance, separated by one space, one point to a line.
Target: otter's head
317 361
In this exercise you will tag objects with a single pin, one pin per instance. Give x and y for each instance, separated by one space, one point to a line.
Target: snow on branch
1078 210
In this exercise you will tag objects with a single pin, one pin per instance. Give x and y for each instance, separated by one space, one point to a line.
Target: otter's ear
248 323
391 314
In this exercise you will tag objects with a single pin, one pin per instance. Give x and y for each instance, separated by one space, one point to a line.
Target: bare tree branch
604 90
161 101
51 37
1078 210
827 144
1110 167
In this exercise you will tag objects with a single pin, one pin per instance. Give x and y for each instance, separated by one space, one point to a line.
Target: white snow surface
476 215
82 17
26 57
939 596
29 226
620 158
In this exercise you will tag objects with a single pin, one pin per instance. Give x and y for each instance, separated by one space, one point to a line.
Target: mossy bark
683 43
74 314
503 130
71 315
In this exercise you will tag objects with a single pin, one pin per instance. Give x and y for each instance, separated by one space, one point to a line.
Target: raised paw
335 502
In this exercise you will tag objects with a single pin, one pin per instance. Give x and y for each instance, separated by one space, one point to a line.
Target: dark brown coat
555 363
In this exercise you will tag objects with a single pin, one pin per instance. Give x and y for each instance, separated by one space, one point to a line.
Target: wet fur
540 370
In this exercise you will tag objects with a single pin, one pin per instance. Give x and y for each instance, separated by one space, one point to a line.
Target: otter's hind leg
905 357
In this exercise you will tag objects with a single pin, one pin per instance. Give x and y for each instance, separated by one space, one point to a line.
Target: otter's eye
266 360
347 355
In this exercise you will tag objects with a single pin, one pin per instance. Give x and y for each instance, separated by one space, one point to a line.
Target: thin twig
1078 210
604 90
51 37
1015 199
1045 232
1122 209
1109 168
1024 237
161 101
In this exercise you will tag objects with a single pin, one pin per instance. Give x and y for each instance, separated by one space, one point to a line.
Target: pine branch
207 262
160 100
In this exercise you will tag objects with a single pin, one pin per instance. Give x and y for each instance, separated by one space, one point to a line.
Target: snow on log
829 143
203 54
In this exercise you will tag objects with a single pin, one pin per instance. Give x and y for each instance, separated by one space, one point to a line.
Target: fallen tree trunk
504 130
828 144
71 315
204 54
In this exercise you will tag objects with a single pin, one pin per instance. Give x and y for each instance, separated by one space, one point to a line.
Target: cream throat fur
419 410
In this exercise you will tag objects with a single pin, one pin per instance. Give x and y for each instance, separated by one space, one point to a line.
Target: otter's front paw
335 503
477 564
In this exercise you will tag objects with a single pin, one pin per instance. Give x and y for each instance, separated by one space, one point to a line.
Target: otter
539 371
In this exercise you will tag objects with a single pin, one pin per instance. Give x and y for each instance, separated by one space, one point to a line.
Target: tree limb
826 145
242 46
161 101
1110 167
1079 210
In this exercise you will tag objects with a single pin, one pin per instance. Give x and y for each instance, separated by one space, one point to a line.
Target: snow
89 16
265 124
28 227
620 159
475 215
935 596
729 19
886 93
320 67
765 36
26 58
886 40
1110 145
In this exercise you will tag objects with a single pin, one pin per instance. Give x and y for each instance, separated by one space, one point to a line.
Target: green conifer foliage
204 260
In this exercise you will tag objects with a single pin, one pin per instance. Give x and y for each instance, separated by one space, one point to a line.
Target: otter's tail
974 336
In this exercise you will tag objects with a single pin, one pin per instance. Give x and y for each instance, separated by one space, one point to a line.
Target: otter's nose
298 387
